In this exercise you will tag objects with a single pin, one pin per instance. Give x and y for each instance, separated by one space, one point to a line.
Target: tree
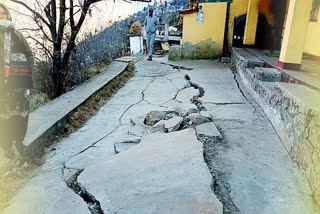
58 24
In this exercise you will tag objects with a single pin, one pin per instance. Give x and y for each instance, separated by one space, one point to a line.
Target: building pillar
295 34
251 23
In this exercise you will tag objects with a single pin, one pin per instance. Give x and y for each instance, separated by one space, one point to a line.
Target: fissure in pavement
93 204
211 148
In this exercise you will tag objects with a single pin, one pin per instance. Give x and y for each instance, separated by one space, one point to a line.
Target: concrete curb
45 122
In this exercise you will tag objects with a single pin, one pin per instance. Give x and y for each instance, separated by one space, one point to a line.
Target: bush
136 29
43 79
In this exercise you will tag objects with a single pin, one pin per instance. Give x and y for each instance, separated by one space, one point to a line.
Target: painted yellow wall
312 45
294 35
251 23
237 8
212 27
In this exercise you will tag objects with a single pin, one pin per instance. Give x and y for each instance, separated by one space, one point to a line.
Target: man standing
151 24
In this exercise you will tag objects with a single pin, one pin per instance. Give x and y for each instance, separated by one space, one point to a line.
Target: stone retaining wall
294 111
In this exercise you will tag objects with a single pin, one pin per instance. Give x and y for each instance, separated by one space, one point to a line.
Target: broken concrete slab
144 174
168 91
152 69
173 124
95 129
206 114
121 147
137 120
40 196
219 85
197 119
154 117
208 130
138 130
183 109
185 95
159 126
132 92
139 110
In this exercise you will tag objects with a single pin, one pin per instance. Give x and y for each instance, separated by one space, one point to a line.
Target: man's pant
150 42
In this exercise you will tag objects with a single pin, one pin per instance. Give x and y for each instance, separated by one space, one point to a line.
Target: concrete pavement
251 171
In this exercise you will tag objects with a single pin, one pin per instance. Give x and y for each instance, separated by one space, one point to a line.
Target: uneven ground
117 164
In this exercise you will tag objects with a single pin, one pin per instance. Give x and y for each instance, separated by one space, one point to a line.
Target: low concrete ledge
294 111
46 121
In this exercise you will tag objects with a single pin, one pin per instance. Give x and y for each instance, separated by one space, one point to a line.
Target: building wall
312 45
204 40
237 8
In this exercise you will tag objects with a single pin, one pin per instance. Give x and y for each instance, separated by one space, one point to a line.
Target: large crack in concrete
212 147
93 204
119 124
178 67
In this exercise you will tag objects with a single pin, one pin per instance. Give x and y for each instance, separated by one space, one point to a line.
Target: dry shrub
136 29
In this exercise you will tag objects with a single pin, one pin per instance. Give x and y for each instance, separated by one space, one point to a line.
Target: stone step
248 59
294 111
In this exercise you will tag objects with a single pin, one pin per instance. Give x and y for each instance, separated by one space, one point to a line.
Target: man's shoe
150 58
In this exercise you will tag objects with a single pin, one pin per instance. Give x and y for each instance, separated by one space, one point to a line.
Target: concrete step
294 111
248 60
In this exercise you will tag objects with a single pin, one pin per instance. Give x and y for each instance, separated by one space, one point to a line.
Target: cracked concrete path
166 172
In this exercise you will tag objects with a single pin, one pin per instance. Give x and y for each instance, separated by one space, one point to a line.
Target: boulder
154 116
183 109
197 119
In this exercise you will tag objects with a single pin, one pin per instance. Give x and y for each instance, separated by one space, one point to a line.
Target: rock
183 109
173 124
206 114
171 115
187 94
197 119
154 116
159 126
195 99
208 130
